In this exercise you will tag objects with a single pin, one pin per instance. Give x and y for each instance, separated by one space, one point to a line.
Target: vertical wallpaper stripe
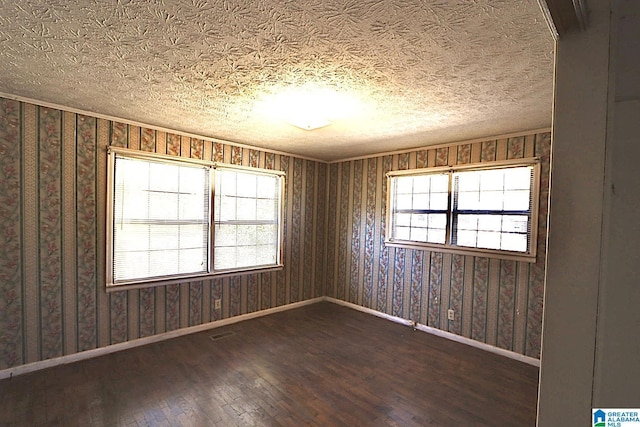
69 268
11 235
31 314
86 232
103 325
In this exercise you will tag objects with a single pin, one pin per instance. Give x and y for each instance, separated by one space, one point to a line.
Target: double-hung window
475 209
171 218
247 219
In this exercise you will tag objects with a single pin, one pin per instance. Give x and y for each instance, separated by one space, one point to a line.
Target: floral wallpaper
52 230
498 302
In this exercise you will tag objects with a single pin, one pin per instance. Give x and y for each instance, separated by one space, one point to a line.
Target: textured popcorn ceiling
415 72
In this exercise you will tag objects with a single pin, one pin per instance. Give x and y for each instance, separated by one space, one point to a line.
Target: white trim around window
166 223
484 209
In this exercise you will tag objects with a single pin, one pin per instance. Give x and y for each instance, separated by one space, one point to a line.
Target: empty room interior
376 212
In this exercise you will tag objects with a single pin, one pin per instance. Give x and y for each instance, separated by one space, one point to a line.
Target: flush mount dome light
310 107
309 123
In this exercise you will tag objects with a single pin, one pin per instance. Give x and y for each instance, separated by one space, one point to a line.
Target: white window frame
111 284
448 246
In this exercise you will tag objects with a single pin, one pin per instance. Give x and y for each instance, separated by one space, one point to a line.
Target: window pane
404 201
267 186
492 180
420 201
224 257
403 233
267 210
225 235
421 184
419 220
191 260
246 209
164 263
246 256
440 183
403 219
419 234
468 222
165 238
267 234
467 181
163 206
265 255
489 240
247 185
516 200
226 209
439 201
437 235
438 221
131 237
164 177
518 178
467 238
490 222
491 200
515 223
514 242
404 185
246 235
225 183
130 265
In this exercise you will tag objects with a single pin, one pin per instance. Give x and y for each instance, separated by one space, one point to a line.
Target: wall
617 371
580 126
591 320
52 294
498 302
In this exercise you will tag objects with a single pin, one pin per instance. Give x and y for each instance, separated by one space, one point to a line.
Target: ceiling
402 73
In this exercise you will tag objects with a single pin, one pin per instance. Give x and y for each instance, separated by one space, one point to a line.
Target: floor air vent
221 335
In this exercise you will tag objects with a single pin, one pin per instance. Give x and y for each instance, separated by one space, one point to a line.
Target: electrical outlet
217 304
451 315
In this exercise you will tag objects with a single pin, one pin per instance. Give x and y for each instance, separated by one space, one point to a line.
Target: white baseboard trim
444 334
44 364
36 366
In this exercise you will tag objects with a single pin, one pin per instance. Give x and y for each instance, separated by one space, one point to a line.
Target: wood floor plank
319 365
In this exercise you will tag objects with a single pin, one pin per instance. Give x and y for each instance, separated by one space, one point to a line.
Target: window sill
141 284
458 250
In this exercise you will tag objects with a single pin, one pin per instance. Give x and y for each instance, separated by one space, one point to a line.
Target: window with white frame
165 222
246 218
479 209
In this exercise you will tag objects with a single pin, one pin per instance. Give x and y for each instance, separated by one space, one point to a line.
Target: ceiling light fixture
310 106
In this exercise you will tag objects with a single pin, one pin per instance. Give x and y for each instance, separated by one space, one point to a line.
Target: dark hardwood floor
320 365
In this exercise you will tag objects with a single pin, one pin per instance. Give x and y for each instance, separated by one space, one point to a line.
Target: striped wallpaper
498 302
52 233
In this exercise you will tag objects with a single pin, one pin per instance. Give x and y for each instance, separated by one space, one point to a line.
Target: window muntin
160 217
473 208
